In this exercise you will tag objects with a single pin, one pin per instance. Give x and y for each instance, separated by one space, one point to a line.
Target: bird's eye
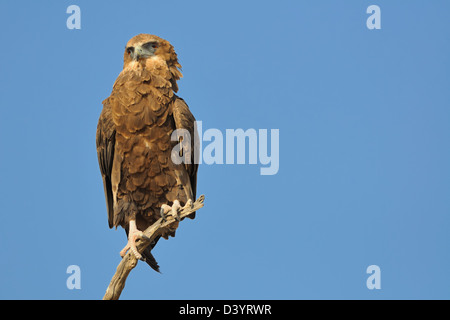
130 50
151 44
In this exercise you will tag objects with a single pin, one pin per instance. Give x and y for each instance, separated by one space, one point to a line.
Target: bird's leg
133 235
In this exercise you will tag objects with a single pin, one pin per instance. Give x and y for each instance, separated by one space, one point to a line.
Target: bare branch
129 261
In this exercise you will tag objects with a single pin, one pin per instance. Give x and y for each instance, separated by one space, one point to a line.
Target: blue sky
364 176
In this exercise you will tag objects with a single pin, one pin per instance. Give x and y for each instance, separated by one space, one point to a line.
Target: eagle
135 143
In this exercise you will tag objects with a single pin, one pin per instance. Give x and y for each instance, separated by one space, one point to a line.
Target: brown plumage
134 140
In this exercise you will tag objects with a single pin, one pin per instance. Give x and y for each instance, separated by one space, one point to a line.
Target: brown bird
134 143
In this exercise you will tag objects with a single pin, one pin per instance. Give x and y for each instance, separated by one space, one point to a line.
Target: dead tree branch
129 261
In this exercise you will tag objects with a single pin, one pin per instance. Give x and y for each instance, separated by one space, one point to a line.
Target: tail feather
150 259
147 254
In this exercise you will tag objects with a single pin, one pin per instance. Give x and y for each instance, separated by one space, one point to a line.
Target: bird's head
147 49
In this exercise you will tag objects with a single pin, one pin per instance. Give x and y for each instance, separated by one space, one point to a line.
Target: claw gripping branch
129 261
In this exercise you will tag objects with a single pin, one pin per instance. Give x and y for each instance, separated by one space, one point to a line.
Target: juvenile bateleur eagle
134 143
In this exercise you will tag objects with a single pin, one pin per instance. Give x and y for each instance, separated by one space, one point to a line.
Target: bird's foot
133 235
174 211
189 204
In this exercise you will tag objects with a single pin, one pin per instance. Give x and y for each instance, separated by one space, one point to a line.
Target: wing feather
106 140
185 120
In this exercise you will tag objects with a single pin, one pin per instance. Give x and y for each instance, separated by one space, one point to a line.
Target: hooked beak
139 53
